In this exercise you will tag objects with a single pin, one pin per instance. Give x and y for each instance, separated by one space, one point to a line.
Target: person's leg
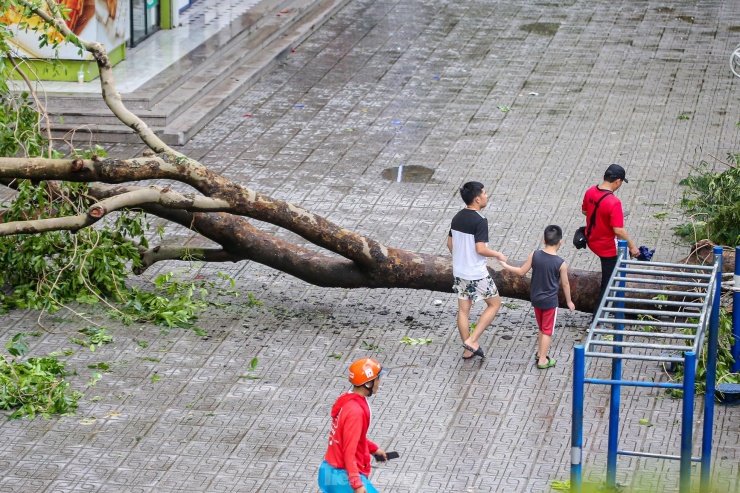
607 267
544 348
538 317
492 307
463 321
546 322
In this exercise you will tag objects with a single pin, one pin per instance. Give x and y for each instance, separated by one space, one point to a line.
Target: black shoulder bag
580 238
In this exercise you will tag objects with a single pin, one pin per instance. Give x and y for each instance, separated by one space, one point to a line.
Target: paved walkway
532 97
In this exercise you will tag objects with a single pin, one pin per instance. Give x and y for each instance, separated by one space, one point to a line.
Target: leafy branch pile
35 386
172 303
96 336
48 270
712 201
18 122
724 360
54 268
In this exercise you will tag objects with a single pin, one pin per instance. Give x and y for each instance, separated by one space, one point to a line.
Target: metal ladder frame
700 282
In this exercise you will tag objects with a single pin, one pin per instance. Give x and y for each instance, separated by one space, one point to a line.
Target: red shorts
546 319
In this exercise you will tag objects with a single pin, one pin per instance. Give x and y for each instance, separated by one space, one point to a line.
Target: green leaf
17 346
560 485
413 342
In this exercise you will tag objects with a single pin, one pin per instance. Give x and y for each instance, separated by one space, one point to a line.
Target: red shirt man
609 223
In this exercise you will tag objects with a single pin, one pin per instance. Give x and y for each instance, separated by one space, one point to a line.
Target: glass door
144 20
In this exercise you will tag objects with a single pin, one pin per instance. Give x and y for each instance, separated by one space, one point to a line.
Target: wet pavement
534 98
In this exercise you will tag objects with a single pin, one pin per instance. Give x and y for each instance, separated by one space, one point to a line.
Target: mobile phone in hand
389 455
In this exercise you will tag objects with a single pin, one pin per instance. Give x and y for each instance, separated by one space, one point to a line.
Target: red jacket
349 447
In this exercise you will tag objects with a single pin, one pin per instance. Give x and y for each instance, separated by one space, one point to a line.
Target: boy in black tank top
549 271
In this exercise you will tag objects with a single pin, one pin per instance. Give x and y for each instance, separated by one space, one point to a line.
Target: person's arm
449 243
583 205
351 430
377 452
483 250
520 270
622 234
565 283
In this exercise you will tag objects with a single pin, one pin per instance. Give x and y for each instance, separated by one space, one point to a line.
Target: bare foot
474 345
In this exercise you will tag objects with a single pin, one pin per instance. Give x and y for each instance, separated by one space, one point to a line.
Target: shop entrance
145 20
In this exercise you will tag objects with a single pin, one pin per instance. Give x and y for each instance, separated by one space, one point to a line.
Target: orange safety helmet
364 370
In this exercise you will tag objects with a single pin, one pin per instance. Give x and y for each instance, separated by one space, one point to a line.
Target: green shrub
712 201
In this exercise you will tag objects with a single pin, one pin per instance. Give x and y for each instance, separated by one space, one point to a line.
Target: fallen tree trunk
239 240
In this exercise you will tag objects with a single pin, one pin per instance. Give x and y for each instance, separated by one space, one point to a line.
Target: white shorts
479 289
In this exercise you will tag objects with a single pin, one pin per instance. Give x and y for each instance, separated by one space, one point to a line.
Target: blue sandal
476 352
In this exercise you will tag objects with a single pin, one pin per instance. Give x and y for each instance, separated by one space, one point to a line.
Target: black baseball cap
615 171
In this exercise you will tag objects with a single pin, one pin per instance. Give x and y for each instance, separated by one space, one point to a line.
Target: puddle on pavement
664 10
411 174
542 28
686 18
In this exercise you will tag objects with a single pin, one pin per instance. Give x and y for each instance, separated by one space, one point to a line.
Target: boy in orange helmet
346 464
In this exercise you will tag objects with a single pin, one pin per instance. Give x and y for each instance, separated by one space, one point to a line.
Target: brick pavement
421 82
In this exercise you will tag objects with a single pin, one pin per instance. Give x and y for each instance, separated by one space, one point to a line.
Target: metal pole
614 401
576 435
736 315
706 441
687 419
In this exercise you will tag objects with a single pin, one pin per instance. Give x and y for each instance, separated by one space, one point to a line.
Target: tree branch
176 252
364 251
242 241
42 111
134 198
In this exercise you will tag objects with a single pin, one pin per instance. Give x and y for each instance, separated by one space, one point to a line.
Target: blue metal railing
699 315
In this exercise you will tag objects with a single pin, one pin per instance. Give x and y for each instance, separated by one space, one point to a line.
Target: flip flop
469 357
476 352
550 363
